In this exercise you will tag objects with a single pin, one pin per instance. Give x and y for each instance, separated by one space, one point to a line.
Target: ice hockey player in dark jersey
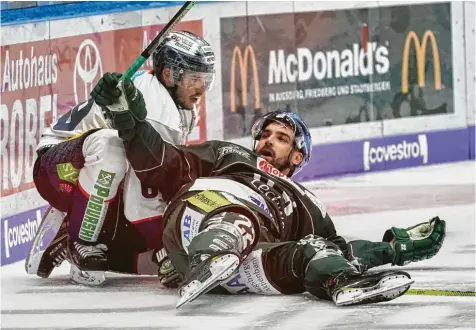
237 220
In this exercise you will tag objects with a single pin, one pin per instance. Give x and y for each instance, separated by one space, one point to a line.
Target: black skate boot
214 254
88 258
43 263
368 288
205 273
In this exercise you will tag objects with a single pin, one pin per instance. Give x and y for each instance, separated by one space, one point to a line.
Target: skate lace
59 258
341 280
335 283
86 251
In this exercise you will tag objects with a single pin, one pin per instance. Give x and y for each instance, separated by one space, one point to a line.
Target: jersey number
73 117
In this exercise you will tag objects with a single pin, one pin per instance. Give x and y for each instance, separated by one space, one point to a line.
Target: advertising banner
18 233
471 142
44 79
386 153
325 67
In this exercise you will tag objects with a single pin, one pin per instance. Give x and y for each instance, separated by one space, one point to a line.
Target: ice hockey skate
207 272
88 263
370 288
90 258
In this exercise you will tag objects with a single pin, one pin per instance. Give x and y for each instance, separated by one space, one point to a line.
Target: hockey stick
433 292
157 40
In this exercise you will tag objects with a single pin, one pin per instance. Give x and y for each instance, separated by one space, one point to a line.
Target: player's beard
281 164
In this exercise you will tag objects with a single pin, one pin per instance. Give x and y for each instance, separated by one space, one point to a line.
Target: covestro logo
404 150
19 233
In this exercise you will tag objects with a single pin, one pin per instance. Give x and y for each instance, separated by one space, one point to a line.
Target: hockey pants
81 176
273 268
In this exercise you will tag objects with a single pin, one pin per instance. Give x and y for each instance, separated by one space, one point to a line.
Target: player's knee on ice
105 162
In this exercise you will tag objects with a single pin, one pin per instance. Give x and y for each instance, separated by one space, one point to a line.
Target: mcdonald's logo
420 51
244 59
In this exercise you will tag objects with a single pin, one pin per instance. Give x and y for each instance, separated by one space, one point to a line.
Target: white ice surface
362 206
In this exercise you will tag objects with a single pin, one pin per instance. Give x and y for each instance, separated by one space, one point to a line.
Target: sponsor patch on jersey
261 203
233 150
208 200
263 165
67 172
190 225
250 277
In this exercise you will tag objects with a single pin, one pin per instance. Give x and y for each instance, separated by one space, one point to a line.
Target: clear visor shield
257 128
196 80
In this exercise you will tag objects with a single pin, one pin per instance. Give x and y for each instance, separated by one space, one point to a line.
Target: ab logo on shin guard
190 226
96 208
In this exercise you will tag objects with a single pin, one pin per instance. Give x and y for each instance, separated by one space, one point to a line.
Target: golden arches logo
420 51
243 60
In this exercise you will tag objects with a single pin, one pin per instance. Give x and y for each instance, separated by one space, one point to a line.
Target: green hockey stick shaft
158 39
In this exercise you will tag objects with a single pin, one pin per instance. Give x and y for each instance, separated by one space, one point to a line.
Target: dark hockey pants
290 267
55 172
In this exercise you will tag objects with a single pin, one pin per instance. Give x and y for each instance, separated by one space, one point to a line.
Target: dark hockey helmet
302 136
185 54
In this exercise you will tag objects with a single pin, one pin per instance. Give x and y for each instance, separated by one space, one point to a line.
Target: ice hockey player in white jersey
81 165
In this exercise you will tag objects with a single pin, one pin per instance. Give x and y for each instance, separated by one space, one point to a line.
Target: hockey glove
121 101
168 275
422 241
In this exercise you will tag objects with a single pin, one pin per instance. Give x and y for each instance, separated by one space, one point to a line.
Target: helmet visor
196 80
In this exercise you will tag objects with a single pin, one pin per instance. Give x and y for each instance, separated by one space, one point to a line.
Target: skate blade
221 268
89 278
390 287
33 260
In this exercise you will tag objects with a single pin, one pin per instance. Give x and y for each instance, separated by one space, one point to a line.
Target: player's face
192 87
277 147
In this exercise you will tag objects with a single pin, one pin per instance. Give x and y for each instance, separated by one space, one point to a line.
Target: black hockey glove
121 101
106 92
168 275
422 241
